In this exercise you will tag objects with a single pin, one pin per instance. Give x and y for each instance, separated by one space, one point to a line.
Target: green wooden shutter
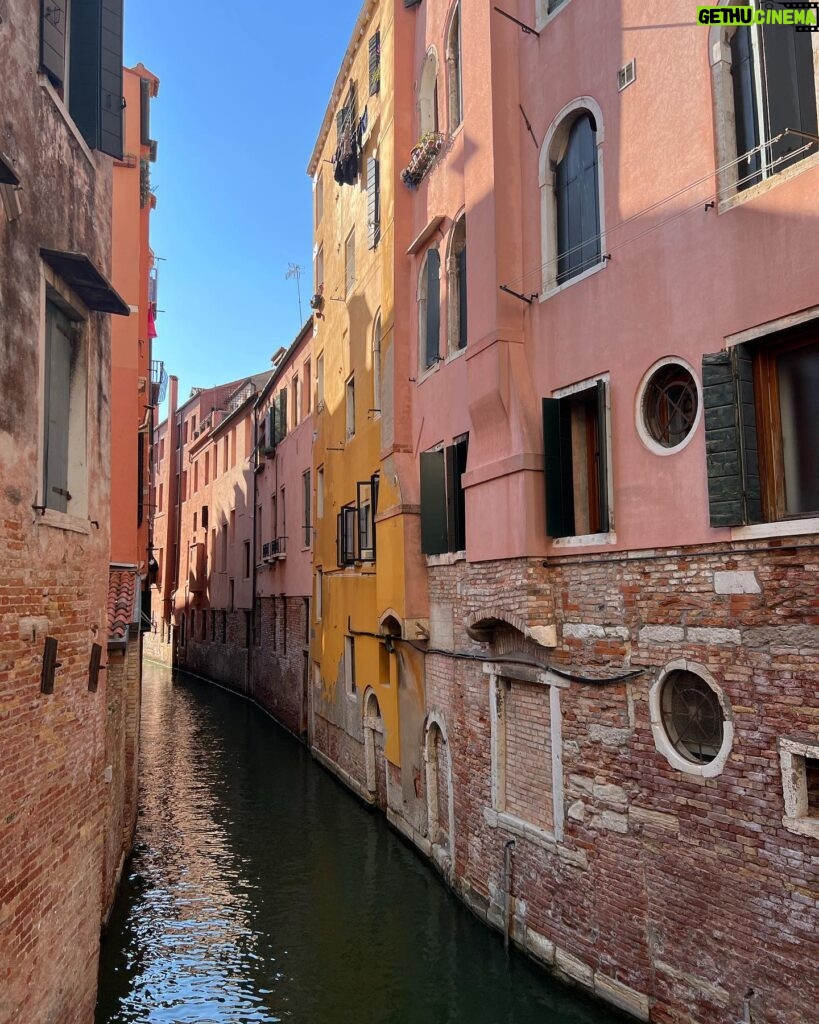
557 449
433 307
730 438
375 63
282 400
95 69
57 390
462 298
373 203
789 85
434 539
52 39
602 459
456 497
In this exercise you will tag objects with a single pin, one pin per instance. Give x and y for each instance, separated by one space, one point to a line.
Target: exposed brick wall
527 760
683 888
280 679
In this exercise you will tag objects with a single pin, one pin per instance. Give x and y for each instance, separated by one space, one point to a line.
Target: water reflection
261 891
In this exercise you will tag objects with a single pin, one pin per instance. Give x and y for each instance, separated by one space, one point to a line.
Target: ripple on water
261 892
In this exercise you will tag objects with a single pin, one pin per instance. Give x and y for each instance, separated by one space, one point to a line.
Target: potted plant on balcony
422 158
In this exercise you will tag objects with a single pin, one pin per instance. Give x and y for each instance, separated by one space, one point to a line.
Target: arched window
428 95
763 82
377 366
429 310
572 194
456 287
453 64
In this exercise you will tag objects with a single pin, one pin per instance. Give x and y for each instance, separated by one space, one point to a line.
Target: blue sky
243 91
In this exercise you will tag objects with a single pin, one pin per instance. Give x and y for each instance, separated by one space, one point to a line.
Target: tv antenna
294 270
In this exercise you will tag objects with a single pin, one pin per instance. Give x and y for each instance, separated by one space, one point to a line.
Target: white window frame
792 756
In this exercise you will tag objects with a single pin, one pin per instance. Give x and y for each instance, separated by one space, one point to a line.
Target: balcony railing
422 158
273 550
159 381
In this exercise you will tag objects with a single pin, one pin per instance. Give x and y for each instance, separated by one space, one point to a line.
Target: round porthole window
691 719
669 406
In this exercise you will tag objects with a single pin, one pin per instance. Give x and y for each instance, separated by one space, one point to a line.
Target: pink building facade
618 496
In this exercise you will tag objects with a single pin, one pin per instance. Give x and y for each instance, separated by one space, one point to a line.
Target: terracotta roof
122 594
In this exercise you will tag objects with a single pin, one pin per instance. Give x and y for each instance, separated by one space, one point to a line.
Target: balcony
422 158
159 381
274 550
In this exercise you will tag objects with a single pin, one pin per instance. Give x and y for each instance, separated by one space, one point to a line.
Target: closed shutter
270 428
58 377
602 459
373 203
745 109
462 298
730 438
375 63
557 449
144 111
433 504
95 95
49 665
140 478
791 90
111 100
52 39
578 207
282 399
433 324
94 668
456 496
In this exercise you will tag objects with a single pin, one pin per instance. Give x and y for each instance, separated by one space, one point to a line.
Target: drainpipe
508 847
253 597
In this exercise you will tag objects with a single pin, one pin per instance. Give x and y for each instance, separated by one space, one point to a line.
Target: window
308 529
318 199
160 499
453 64
224 546
376 410
320 492
204 517
443 499
64 413
761 403
195 520
374 55
319 381
349 665
349 262
350 407
319 593
428 95
799 762
86 74
296 409
456 287
355 525
319 269
576 462
429 310
233 526
763 82
307 387
207 468
571 199
373 203
282 538
232 596
247 559
668 407
691 719
195 477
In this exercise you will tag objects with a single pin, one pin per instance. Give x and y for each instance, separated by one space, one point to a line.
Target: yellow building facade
367 707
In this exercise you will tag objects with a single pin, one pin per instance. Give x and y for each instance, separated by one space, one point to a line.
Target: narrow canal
262 891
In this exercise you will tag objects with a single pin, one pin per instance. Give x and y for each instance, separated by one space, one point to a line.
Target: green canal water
261 891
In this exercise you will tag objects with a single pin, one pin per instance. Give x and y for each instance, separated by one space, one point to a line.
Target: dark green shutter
52 39
373 203
456 496
557 449
94 667
730 438
375 63
433 504
602 459
790 87
95 96
433 307
462 298
282 415
144 111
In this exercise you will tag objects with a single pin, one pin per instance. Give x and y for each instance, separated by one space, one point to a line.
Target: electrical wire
731 187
